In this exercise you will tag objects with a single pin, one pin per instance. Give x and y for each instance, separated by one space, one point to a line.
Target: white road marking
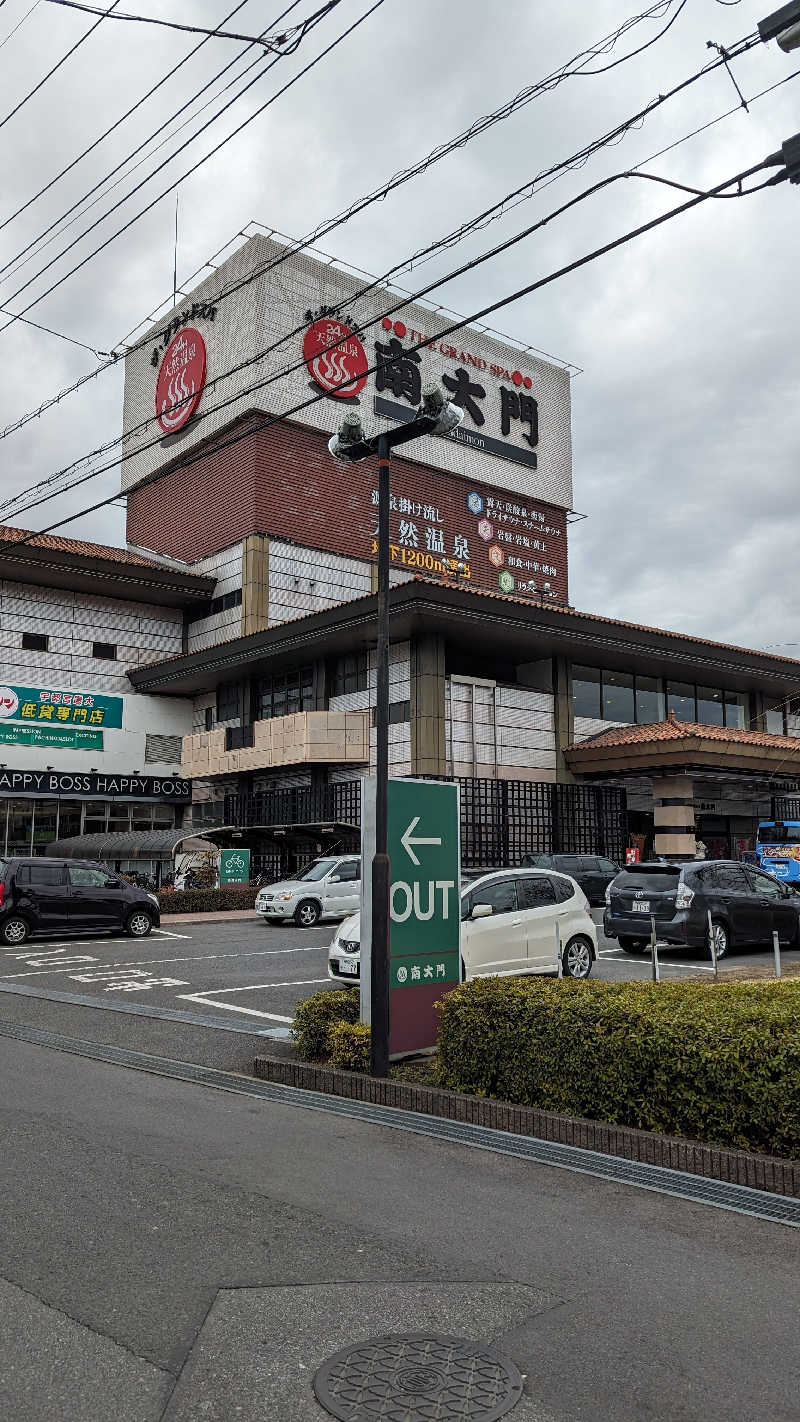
259 987
168 933
154 962
229 1006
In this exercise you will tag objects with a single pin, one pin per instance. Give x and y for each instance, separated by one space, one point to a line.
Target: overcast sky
686 421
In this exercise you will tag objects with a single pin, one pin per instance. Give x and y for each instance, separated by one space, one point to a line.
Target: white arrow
407 841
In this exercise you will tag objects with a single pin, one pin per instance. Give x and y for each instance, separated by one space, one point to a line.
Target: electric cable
20 23
174 25
699 196
131 222
406 175
57 66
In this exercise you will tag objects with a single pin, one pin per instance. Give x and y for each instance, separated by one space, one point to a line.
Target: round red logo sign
335 358
181 377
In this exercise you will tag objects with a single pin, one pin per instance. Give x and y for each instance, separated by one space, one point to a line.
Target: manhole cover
418 1377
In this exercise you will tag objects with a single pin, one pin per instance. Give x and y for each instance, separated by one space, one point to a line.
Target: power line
436 155
57 66
133 220
269 44
190 459
20 23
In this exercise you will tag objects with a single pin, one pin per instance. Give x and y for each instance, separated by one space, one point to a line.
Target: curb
737 1167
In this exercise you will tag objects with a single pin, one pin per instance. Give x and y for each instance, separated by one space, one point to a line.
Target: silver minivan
327 888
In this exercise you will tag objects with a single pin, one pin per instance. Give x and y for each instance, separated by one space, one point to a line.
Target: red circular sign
335 358
181 377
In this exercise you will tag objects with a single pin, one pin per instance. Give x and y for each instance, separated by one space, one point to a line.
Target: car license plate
641 906
348 967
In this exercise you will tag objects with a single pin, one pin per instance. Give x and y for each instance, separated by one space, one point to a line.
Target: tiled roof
672 730
75 545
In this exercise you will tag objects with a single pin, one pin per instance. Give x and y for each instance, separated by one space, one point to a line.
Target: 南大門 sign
424 905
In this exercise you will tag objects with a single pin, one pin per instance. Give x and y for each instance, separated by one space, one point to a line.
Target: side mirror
482 911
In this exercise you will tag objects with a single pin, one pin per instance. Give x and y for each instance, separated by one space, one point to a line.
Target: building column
673 817
255 583
563 720
428 744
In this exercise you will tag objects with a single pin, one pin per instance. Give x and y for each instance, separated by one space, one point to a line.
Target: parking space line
230 1006
261 987
155 962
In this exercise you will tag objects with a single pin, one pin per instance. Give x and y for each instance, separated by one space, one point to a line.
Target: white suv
328 888
512 921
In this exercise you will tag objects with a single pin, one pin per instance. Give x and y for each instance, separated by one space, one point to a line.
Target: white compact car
328 888
511 923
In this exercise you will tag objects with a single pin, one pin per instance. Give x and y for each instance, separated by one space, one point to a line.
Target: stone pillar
428 745
255 583
673 817
563 718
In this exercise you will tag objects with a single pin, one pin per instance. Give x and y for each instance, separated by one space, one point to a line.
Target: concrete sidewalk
232 915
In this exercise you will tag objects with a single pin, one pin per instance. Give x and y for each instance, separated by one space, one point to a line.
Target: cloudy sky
686 421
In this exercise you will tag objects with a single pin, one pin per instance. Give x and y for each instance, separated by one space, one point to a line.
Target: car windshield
653 879
318 869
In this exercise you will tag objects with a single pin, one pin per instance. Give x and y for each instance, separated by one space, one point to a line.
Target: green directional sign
234 866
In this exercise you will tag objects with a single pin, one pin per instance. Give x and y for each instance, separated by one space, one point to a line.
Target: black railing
501 820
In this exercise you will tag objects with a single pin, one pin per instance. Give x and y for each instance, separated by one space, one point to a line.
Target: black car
746 906
66 896
590 871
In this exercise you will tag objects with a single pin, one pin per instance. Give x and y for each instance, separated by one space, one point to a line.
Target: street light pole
435 416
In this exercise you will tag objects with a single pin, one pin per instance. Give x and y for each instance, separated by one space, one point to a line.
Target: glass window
538 861
20 826
229 701
649 700
730 879
710 706
607 867
317 870
501 895
42 873
617 696
736 709
653 880
142 817
44 823
535 892
69 818
82 875
774 721
586 692
351 673
563 890
208 718
95 816
765 884
286 693
106 651
566 863
346 873
680 699
34 642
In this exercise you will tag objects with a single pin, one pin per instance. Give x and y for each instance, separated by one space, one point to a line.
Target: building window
351 673
681 700
229 701
35 642
106 651
208 717
586 692
710 706
286 693
649 700
736 709
399 711
774 721
217 604
617 696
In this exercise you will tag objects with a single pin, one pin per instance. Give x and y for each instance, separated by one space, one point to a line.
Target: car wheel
139 924
15 930
633 945
577 958
306 914
722 939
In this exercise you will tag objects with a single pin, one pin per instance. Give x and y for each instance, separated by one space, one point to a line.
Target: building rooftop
75 565
674 730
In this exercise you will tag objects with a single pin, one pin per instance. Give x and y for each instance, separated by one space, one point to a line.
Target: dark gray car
70 896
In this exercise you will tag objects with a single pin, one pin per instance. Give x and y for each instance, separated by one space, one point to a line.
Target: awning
135 844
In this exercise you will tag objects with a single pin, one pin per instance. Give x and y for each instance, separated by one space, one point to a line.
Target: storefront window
680 699
649 700
142 817
736 709
617 696
45 817
710 706
95 817
119 818
586 692
20 826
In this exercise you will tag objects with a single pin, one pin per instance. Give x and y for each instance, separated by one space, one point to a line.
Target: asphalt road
172 1253
250 971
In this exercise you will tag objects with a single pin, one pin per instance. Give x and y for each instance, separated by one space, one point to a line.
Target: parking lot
253 972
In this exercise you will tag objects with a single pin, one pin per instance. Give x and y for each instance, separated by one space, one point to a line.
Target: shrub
715 1062
226 899
315 1016
348 1043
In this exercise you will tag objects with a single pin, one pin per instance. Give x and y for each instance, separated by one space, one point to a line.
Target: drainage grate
761 1204
413 1377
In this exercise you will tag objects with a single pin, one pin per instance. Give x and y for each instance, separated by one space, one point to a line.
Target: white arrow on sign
407 841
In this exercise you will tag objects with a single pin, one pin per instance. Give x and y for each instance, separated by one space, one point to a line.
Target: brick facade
281 481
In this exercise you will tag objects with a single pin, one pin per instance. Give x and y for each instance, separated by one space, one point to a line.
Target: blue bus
778 848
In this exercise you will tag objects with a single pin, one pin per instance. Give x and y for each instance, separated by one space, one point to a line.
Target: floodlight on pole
784 26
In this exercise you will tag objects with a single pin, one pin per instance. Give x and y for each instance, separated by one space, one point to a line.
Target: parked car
328 888
591 871
70 896
746 905
509 923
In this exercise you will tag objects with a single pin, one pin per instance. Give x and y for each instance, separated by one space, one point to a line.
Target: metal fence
501 820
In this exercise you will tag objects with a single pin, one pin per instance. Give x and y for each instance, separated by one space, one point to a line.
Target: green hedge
226 899
315 1016
713 1062
348 1044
